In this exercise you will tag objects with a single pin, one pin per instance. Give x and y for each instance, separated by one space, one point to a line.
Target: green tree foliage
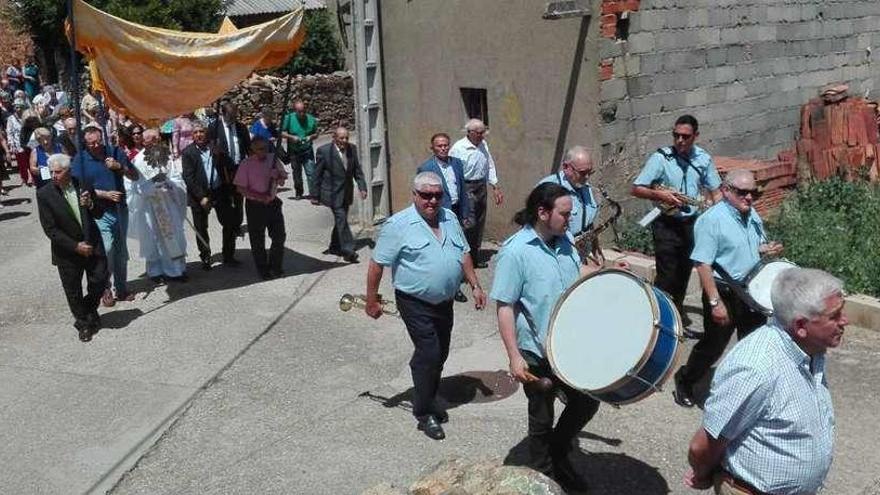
835 226
320 53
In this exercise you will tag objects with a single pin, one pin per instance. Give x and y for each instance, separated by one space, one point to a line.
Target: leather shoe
206 265
351 257
459 296
85 334
442 417
432 428
682 394
566 475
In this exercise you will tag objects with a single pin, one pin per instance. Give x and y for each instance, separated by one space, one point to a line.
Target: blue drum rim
646 355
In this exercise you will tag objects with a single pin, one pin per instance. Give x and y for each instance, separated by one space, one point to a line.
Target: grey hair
735 174
801 292
580 150
42 132
199 124
152 132
474 124
426 179
59 160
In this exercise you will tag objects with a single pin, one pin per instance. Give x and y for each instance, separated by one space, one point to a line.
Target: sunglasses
756 193
678 135
427 196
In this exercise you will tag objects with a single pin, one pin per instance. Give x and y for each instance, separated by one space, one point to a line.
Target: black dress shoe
351 258
442 417
206 265
682 394
432 428
459 296
85 334
565 474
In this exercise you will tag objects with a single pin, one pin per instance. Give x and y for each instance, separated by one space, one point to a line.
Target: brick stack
776 177
839 137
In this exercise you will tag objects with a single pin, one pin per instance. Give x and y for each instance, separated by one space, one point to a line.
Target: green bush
634 237
834 226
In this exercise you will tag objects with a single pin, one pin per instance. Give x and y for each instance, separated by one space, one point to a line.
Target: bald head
340 137
577 166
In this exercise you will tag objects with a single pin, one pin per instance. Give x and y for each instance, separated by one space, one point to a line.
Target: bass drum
614 336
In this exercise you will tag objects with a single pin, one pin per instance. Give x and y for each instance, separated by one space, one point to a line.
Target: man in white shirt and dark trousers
479 169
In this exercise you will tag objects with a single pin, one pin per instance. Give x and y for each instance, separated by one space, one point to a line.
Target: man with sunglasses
729 237
426 249
682 170
576 168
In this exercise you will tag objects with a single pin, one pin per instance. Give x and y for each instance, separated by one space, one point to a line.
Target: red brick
612 7
609 30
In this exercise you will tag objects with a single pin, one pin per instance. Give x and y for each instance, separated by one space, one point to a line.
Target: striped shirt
771 401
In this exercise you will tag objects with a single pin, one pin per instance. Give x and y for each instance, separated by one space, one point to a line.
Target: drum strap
741 292
532 330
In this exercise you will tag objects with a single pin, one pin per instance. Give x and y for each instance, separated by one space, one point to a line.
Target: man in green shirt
300 129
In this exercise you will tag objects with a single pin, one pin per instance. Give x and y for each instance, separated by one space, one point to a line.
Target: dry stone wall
329 97
743 68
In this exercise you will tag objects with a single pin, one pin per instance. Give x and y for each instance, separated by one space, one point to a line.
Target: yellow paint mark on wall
511 111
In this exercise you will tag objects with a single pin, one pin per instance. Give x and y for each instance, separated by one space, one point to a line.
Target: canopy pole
74 76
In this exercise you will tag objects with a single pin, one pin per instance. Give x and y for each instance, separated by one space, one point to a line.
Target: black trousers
228 218
85 307
673 243
341 239
476 191
430 329
261 218
711 346
299 163
547 443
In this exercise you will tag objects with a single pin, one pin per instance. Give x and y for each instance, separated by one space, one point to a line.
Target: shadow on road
13 214
608 473
464 388
219 278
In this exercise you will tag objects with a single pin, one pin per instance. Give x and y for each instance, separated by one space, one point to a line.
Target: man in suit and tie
336 170
67 214
230 140
451 173
207 188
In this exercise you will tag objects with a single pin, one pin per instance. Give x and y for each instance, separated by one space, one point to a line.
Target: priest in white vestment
157 210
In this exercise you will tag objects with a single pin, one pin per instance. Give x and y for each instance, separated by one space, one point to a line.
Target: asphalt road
228 384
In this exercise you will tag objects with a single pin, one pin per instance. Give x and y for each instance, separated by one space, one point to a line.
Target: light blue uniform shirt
422 265
584 205
677 174
533 274
770 400
721 236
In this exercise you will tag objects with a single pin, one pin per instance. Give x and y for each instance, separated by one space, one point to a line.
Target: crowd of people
768 421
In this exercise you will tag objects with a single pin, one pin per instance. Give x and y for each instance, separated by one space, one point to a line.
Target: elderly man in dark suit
67 214
336 171
231 141
209 186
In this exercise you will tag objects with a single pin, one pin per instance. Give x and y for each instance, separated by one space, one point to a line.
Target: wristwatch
714 302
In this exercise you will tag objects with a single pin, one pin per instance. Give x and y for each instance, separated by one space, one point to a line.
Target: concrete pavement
228 384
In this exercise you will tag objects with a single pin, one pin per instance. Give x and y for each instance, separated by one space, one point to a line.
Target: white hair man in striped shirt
768 426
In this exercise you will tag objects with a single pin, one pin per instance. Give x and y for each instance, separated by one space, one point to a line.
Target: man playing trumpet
427 251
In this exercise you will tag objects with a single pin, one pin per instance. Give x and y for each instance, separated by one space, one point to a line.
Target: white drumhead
761 281
601 329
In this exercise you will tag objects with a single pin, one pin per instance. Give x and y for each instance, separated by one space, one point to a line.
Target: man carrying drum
673 176
729 241
428 254
535 266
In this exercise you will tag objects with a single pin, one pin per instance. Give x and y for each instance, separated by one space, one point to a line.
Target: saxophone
587 243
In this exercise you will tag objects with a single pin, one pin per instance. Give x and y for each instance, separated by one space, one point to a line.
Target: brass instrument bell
348 301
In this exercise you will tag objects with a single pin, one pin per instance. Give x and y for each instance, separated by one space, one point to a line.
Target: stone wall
742 67
329 97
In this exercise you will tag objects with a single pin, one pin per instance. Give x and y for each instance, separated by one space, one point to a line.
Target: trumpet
348 301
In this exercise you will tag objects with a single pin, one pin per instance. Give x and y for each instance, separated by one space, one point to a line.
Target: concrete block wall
743 68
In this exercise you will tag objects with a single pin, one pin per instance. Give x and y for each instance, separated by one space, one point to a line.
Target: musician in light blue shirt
768 425
535 267
730 237
428 254
577 166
